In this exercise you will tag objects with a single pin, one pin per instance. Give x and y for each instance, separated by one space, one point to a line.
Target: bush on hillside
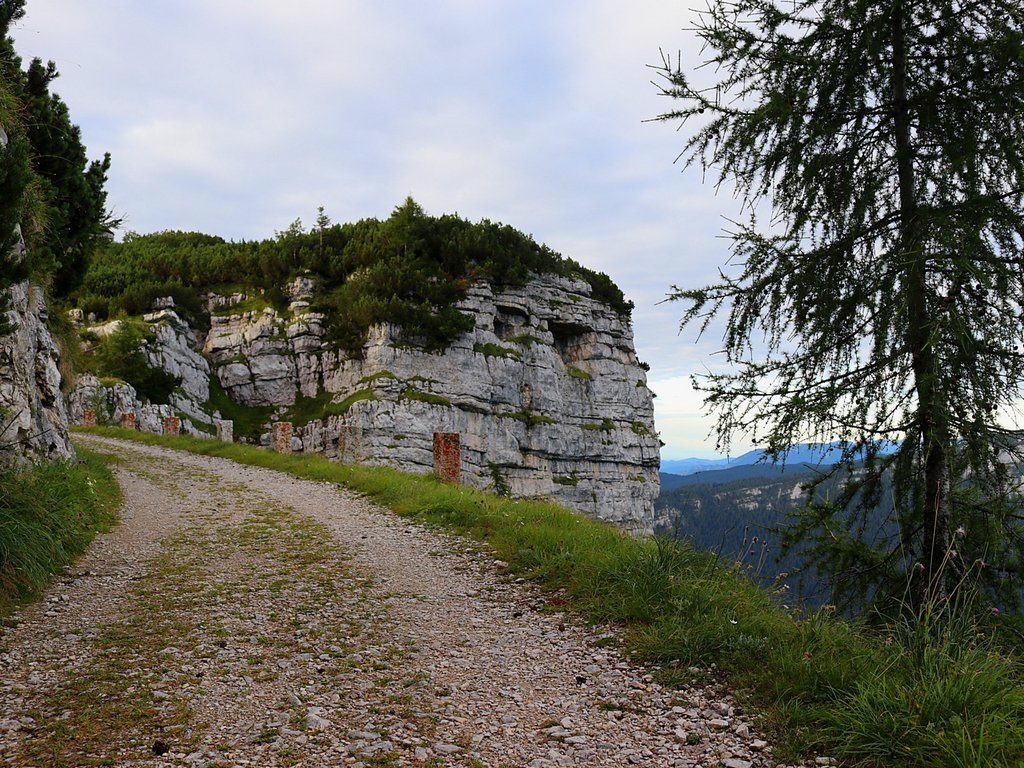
120 355
410 269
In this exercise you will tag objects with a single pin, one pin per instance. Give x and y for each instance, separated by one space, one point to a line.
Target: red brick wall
281 436
447 456
172 425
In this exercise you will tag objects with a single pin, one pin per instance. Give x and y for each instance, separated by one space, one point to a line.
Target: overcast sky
234 117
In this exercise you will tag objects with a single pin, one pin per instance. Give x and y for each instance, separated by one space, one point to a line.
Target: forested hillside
741 514
409 269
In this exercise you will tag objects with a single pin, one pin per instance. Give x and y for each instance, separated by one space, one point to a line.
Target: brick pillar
172 425
447 456
281 436
226 430
88 418
128 420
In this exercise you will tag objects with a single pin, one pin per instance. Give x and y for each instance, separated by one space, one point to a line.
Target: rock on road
238 616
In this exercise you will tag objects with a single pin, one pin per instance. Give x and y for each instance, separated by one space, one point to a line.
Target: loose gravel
239 616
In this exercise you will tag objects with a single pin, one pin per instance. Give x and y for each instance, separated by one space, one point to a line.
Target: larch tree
879 304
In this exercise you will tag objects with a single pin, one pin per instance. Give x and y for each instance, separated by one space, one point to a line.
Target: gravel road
241 617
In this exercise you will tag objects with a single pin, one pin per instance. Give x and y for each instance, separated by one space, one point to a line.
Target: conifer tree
67 188
882 142
14 169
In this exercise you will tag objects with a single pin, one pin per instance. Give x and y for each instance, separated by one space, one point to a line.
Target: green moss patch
379 375
577 373
496 350
527 417
426 397
342 407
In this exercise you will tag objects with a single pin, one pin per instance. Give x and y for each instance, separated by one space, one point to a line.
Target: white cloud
236 116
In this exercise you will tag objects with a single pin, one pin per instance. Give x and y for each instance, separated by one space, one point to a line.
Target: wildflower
919 567
994 611
733 621
960 532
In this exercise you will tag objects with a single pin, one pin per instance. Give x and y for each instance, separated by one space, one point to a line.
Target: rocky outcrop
173 347
545 392
33 415
170 345
111 400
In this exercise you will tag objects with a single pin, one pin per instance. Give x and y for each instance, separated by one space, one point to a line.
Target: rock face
110 402
173 347
33 415
545 392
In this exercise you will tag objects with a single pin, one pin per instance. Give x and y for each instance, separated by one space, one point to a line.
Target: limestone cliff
545 391
171 346
33 416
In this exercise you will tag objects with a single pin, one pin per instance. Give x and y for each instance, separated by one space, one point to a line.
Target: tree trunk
933 499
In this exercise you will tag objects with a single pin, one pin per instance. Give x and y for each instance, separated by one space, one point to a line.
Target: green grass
306 409
496 350
578 373
49 512
341 408
426 397
906 695
605 425
248 420
527 417
383 374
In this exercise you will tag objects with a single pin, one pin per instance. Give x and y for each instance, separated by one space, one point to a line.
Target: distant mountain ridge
809 454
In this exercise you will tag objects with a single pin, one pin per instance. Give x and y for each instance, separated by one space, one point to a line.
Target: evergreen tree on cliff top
883 299
70 217
15 172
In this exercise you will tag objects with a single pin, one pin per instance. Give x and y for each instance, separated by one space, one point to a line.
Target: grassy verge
49 513
903 696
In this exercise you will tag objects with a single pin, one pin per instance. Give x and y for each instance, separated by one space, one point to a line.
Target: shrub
120 355
410 269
